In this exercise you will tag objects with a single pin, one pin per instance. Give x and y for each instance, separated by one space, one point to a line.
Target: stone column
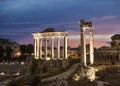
83 46
35 46
58 47
65 47
91 46
40 51
38 48
46 47
52 48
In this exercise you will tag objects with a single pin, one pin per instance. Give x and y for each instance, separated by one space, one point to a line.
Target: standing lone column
91 46
83 46
58 47
46 48
38 48
52 48
35 47
65 47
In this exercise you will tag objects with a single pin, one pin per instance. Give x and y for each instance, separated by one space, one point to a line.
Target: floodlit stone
2 73
38 38
86 25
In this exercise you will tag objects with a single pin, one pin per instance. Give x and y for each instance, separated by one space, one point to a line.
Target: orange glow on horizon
97 43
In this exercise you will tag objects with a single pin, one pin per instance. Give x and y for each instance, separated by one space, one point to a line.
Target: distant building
15 49
115 41
73 53
109 53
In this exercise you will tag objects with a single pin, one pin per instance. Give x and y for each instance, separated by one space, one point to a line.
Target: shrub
34 80
33 66
14 83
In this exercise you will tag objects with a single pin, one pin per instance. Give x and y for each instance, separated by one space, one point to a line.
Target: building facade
109 53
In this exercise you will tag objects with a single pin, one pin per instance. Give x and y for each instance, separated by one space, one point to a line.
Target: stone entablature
49 34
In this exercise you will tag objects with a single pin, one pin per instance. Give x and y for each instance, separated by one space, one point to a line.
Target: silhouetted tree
49 29
29 49
1 52
23 49
8 51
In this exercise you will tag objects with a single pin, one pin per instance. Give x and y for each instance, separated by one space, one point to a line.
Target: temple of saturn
44 36
83 26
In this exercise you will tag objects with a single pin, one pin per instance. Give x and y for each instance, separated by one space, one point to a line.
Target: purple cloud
103 18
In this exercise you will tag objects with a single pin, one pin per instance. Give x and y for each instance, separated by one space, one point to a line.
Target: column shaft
46 48
38 48
35 47
83 46
58 47
52 48
65 47
91 47
40 51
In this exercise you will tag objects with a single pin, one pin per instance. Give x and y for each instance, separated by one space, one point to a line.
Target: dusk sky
19 18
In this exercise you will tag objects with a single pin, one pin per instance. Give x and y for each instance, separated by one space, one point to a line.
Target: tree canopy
26 49
49 29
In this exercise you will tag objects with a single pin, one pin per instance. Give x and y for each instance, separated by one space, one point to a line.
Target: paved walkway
64 75
5 82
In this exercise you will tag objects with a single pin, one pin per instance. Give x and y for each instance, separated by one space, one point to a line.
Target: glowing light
17 74
96 70
18 54
32 54
76 77
2 73
48 58
22 63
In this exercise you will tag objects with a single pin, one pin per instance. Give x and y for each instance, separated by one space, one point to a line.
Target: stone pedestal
87 72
